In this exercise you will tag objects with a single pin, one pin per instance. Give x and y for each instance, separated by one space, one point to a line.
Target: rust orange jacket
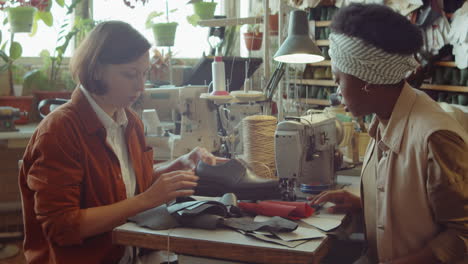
67 167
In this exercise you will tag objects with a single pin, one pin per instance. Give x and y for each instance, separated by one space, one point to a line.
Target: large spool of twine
259 144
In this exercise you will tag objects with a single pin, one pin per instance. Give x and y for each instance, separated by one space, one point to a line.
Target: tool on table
8 115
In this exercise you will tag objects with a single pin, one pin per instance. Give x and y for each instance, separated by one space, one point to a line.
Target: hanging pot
205 10
164 34
253 40
273 24
21 18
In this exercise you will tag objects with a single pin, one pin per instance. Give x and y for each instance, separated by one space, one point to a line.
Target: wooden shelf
324 23
322 42
230 21
446 88
446 63
314 82
313 101
321 63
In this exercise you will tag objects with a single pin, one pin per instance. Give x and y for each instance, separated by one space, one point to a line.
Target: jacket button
380 226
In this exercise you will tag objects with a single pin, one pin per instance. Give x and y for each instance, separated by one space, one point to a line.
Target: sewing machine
186 121
231 121
305 151
8 115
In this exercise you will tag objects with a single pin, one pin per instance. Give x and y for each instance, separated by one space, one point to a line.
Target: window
190 41
45 38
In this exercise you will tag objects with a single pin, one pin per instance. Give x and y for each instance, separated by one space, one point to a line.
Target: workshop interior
250 81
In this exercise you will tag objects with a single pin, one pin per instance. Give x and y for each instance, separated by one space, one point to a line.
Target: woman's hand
169 186
190 160
345 202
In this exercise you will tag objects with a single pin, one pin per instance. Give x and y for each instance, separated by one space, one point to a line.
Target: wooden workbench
225 243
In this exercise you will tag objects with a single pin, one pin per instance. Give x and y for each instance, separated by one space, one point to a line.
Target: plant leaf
60 2
34 24
4 67
150 17
49 5
4 56
15 50
193 19
35 79
46 17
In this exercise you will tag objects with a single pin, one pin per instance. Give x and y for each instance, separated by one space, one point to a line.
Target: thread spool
218 76
259 144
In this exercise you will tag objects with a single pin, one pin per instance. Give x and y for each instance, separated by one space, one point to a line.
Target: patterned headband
367 62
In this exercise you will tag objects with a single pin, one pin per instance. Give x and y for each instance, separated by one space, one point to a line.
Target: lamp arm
274 80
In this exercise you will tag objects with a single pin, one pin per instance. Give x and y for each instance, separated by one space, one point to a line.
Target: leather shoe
234 177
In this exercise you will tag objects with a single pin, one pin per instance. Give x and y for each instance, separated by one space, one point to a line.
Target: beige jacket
406 218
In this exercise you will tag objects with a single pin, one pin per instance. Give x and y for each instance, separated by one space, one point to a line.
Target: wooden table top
220 243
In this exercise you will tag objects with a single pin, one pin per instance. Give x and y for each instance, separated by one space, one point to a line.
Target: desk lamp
297 48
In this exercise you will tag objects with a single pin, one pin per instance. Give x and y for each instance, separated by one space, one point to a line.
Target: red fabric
290 210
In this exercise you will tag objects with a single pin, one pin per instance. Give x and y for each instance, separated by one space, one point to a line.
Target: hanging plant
132 3
163 29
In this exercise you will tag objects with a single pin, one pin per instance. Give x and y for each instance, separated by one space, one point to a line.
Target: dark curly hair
380 26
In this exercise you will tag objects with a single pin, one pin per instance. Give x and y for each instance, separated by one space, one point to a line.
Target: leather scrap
274 224
209 214
290 210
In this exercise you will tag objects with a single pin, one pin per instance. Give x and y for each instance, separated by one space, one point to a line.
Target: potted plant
273 24
51 81
202 10
23 15
253 37
9 73
164 32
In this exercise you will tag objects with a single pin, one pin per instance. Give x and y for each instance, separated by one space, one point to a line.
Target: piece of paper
290 244
325 224
323 220
300 233
261 218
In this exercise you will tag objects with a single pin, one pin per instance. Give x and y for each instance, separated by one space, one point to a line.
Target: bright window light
190 41
45 38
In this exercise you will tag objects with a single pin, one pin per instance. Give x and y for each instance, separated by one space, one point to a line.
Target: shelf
321 63
230 21
324 23
322 42
446 88
313 101
446 63
314 82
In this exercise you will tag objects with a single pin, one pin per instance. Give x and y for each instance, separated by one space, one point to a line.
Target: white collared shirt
115 137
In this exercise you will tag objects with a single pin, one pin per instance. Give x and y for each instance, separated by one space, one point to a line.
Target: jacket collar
393 133
88 116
